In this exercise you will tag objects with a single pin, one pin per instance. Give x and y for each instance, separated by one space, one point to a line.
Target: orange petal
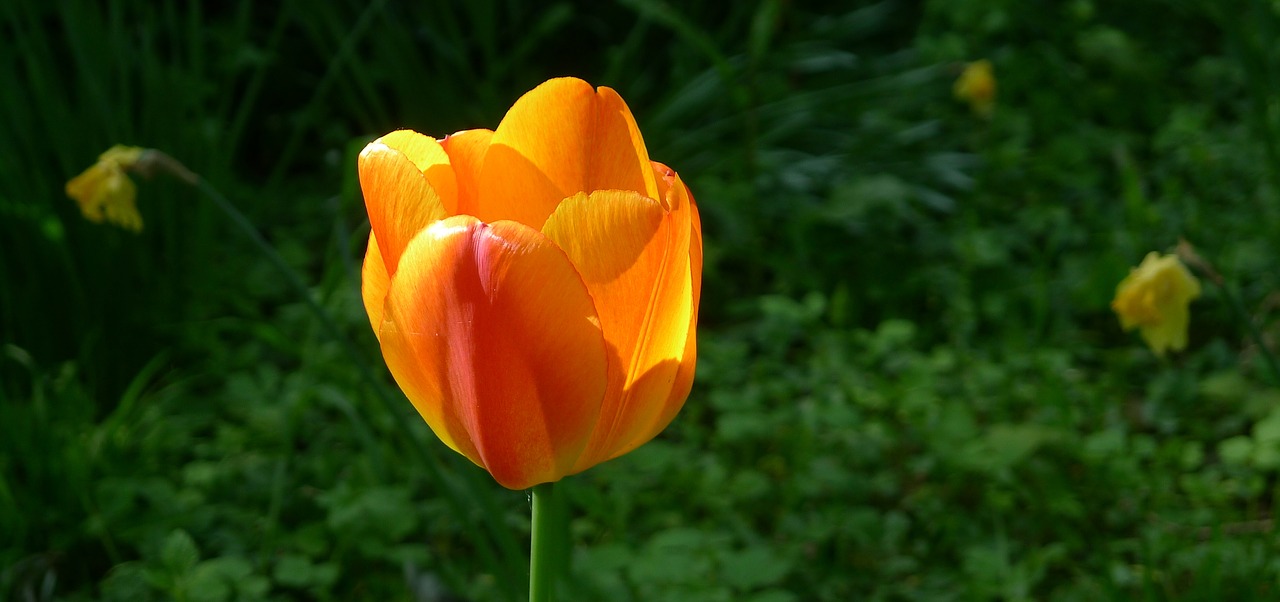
634 257
688 362
695 248
399 198
557 140
431 159
493 337
374 282
677 195
466 152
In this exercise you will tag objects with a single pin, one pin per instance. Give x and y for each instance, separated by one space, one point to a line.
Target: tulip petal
400 199
695 247
374 283
688 362
559 139
494 338
633 256
679 199
430 158
466 152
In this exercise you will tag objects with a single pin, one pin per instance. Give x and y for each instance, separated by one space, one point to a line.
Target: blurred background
910 383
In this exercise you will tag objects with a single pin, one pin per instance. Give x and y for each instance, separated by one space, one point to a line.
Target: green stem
544 550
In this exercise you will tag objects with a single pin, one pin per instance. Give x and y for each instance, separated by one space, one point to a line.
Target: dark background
910 386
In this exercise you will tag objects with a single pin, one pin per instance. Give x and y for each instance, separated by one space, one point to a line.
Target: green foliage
910 384
868 464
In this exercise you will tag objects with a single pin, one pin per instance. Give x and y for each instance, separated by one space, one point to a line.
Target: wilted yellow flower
1154 299
977 86
104 191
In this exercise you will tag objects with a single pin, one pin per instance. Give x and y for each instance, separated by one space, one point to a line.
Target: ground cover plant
911 384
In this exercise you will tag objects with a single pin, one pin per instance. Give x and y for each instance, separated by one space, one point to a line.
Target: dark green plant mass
911 385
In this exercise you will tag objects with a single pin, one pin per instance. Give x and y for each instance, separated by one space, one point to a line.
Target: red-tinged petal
374 282
633 255
492 335
678 196
399 198
466 152
559 139
663 177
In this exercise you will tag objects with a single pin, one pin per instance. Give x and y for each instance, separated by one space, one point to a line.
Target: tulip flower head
105 192
977 86
1154 298
534 288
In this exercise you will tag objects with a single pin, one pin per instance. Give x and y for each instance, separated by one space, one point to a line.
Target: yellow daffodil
104 191
1154 299
977 86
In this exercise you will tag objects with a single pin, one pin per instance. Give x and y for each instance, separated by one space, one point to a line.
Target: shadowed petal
492 334
633 256
466 152
374 283
84 187
105 192
688 362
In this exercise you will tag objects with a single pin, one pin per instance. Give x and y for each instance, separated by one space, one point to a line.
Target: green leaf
298 571
774 595
178 553
753 567
207 583
1236 450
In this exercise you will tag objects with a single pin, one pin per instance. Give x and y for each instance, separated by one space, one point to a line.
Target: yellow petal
560 139
977 86
492 335
104 192
374 283
399 198
431 159
466 152
124 156
633 255
688 362
86 189
1154 298
120 202
1170 332
679 197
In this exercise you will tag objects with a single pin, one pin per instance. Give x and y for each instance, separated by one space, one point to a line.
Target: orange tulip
535 288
